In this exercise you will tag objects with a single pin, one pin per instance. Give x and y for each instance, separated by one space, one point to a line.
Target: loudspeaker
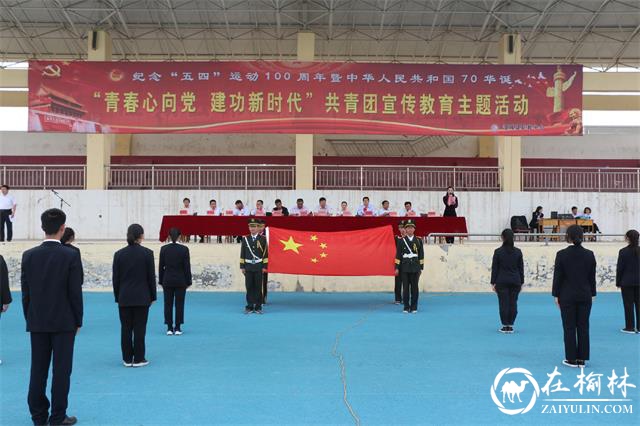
510 43
94 40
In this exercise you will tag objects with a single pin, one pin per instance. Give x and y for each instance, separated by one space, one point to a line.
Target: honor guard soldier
253 258
265 273
398 280
409 265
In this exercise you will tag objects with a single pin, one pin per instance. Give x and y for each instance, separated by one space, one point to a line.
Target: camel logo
511 402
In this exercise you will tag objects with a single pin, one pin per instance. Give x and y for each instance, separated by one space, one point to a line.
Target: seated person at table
574 212
240 209
299 209
214 210
186 207
344 210
408 210
279 209
587 216
535 219
365 209
259 210
384 211
323 209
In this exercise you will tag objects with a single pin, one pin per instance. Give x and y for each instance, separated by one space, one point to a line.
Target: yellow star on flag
323 255
323 246
314 238
290 244
314 260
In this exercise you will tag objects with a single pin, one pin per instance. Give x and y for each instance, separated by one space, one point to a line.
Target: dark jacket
285 211
77 250
5 294
134 276
507 267
51 281
535 217
175 266
628 268
574 275
449 210
414 251
251 250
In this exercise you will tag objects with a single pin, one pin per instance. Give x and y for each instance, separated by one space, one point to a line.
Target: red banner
347 253
304 97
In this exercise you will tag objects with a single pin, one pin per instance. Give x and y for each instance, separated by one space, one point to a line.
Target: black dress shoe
68 420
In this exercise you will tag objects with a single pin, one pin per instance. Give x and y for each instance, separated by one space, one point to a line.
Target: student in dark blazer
450 201
574 289
507 277
69 237
134 287
174 275
5 294
51 281
628 279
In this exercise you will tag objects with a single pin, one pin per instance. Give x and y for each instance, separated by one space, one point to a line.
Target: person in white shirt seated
344 210
365 209
408 210
323 209
214 210
574 212
385 210
240 209
186 207
259 210
299 209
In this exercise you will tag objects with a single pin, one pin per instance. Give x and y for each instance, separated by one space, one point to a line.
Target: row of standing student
574 288
51 283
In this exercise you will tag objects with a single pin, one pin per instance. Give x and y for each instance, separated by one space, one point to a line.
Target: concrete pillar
510 147
487 147
304 142
98 145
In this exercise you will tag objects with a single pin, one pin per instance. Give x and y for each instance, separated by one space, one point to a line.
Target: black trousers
575 321
397 289
410 290
133 322
253 283
265 281
5 219
631 302
508 302
174 295
44 348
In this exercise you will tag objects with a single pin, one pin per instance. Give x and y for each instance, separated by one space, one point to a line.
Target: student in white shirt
7 212
259 210
365 209
240 209
384 211
344 209
299 209
408 210
323 209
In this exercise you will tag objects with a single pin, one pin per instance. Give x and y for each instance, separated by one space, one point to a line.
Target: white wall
106 214
624 146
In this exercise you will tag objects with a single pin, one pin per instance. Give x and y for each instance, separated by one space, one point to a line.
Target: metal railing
44 177
410 178
572 179
172 176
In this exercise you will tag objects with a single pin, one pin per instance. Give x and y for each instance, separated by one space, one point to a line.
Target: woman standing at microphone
450 201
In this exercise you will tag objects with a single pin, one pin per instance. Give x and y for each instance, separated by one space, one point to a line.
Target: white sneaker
415 311
127 364
170 333
140 364
405 311
178 332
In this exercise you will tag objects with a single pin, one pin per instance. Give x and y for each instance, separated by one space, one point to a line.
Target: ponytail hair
575 235
134 232
174 234
632 236
507 238
69 234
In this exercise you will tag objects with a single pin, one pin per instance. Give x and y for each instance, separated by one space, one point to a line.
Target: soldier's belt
409 256
253 261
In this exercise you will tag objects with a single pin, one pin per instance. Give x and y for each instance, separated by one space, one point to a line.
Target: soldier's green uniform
253 258
409 264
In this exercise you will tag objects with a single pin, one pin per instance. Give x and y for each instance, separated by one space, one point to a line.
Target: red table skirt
237 225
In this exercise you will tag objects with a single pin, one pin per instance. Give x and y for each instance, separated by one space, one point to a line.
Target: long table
237 225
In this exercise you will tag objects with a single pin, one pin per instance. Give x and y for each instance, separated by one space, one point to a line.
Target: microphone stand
62 201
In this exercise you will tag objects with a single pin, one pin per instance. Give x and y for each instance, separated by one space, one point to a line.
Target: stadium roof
597 33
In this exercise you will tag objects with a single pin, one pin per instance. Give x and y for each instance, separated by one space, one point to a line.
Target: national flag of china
345 253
